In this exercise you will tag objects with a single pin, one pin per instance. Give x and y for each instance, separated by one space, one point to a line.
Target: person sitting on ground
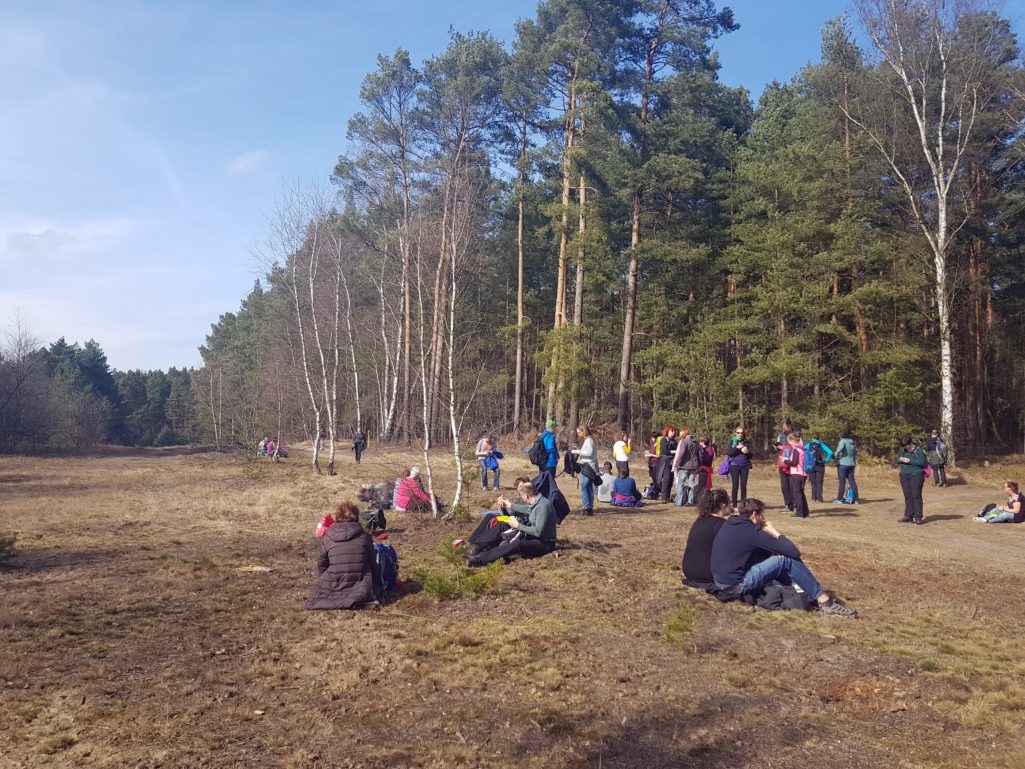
261 447
713 511
529 532
608 480
749 553
410 495
624 491
346 566
1012 512
377 494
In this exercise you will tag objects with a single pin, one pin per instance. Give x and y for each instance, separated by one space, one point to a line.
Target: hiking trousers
816 477
797 495
912 487
738 474
520 546
784 486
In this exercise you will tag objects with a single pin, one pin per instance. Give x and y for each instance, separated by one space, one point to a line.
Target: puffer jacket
346 567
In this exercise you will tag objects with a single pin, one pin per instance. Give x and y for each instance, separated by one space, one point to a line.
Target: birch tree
933 66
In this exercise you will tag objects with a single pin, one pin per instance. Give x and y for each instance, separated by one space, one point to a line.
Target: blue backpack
812 454
387 565
848 496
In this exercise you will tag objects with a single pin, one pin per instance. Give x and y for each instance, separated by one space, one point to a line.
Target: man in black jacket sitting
749 552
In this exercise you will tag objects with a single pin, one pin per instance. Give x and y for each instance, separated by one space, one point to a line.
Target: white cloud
248 162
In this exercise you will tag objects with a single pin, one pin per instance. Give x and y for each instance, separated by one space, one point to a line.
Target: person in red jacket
410 495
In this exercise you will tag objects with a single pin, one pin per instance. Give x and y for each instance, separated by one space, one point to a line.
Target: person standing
912 462
486 458
705 470
652 456
587 454
782 460
359 445
936 452
551 464
817 457
621 452
686 461
846 460
664 449
740 463
797 475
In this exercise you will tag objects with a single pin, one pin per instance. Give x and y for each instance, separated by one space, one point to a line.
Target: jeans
846 473
484 473
784 486
816 477
797 495
777 566
1004 517
939 474
739 476
586 493
912 487
685 479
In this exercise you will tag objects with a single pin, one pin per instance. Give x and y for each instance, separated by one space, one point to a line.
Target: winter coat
346 567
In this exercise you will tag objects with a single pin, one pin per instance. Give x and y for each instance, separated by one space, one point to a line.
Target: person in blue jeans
1012 512
748 553
846 456
587 454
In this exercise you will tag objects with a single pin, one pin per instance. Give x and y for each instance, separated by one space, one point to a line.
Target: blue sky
143 144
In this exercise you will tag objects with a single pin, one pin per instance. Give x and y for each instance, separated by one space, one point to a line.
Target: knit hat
414 471
551 423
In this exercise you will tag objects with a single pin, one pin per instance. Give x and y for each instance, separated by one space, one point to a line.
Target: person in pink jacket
410 495
793 461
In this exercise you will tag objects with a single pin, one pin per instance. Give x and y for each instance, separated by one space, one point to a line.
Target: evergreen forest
585 224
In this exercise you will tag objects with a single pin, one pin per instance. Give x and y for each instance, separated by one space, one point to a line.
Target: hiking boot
471 552
474 562
833 608
905 519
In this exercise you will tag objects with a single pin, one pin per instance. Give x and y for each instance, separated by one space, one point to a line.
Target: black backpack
571 465
537 454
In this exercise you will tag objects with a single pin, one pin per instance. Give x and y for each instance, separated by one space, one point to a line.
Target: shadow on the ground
834 512
35 560
931 518
592 546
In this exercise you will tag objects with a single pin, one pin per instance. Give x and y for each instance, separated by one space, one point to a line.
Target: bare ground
130 638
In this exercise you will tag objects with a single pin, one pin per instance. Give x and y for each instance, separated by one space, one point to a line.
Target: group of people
738 554
732 550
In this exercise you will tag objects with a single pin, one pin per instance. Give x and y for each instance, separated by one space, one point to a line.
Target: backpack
571 465
537 454
811 457
848 496
387 565
650 492
373 519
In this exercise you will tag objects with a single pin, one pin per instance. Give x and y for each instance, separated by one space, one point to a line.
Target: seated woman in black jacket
697 556
347 567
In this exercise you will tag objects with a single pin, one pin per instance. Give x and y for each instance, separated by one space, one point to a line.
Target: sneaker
918 522
905 520
833 608
838 502
473 562
979 519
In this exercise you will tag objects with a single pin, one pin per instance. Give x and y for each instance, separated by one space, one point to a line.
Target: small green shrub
928 665
7 547
252 467
455 579
681 625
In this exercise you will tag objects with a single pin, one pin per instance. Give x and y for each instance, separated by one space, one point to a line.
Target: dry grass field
129 636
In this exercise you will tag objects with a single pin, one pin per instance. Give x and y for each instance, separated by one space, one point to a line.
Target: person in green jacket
912 461
846 456
532 522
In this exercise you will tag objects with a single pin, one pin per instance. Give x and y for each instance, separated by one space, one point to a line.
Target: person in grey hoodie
846 456
587 454
686 462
